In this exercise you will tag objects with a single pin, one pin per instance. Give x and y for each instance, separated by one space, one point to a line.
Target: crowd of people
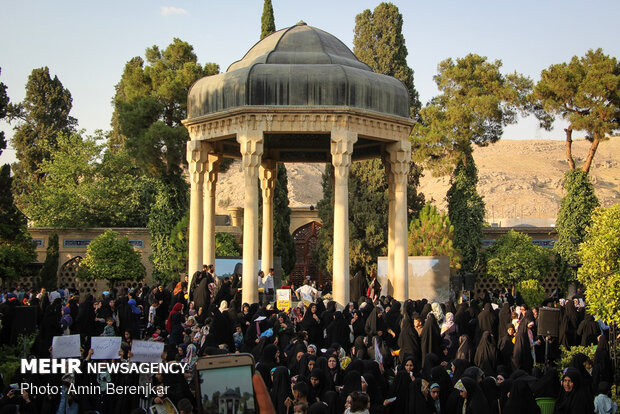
377 355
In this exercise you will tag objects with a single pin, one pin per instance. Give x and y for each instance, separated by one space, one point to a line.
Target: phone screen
227 390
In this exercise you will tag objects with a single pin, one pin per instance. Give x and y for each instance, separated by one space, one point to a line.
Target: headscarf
134 308
281 389
66 316
486 354
448 323
190 356
521 400
430 337
465 350
579 400
175 309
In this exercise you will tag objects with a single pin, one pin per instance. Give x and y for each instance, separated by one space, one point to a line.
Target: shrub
532 292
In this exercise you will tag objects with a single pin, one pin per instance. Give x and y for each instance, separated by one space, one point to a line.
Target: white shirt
268 282
306 292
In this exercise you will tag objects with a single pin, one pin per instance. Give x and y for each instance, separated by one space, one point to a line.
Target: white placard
105 347
66 346
146 351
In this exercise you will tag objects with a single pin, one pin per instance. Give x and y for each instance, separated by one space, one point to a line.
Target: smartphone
14 386
224 384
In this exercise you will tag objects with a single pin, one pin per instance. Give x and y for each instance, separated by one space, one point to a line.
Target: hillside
518 179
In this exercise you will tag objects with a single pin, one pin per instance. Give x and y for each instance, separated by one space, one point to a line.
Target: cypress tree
43 114
574 216
283 242
268 25
466 212
49 271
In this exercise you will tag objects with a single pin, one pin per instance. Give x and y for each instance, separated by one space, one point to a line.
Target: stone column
390 256
268 173
342 141
212 169
196 157
251 145
399 158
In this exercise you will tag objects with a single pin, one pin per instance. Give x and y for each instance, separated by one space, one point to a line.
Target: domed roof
299 66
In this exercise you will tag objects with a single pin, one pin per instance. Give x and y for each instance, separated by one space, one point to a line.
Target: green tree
466 213
4 104
42 114
16 247
226 245
283 242
112 258
268 24
574 215
151 101
475 103
379 42
585 92
600 258
49 271
368 203
513 258
171 204
431 234
85 187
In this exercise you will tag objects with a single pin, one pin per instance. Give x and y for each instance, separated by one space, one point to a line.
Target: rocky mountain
519 179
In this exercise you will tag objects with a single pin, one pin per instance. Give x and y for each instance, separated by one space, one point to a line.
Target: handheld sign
378 355
105 347
146 351
67 346
283 299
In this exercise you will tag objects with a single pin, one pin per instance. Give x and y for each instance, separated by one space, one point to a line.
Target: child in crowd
602 403
109 327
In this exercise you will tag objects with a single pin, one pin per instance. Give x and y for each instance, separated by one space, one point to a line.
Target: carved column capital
251 147
212 170
196 159
268 173
342 141
399 158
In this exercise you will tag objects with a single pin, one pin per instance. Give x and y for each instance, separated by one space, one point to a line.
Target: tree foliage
532 292
4 104
85 187
585 92
49 271
112 258
379 42
600 258
513 258
16 247
283 242
268 24
170 206
574 215
475 103
151 101
432 234
466 213
368 221
42 115
226 245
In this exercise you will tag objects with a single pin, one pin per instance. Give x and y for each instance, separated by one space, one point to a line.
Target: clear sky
86 44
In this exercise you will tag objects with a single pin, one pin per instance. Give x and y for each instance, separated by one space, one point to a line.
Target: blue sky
86 44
